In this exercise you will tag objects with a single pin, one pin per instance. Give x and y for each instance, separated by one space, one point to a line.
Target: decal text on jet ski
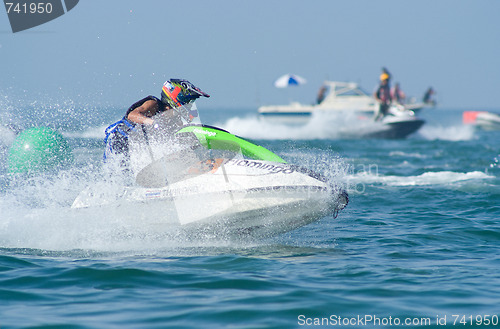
275 169
204 132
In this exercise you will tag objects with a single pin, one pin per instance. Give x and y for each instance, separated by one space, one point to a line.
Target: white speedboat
338 97
214 183
350 111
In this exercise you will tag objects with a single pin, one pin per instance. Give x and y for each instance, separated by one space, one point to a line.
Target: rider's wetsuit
117 134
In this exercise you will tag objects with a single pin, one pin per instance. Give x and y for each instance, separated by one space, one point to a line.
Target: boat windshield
350 91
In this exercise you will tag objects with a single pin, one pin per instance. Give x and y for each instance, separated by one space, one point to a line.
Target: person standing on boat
397 94
428 97
386 75
321 94
175 95
383 97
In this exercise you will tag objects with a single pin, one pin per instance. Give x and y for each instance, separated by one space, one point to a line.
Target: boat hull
482 119
348 125
488 120
266 213
397 129
240 198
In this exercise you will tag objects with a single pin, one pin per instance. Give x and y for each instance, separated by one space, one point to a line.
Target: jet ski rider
175 94
383 96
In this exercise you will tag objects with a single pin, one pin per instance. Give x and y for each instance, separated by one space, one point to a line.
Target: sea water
418 244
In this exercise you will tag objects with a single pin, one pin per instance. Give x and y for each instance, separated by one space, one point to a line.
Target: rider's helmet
384 76
180 95
178 92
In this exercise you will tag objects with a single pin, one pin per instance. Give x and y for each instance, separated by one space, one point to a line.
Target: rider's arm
143 113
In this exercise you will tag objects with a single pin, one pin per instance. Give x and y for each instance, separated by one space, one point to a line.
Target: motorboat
482 119
205 180
338 97
488 120
351 112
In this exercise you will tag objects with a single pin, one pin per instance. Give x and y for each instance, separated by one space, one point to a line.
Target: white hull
482 119
296 110
239 198
341 97
488 120
344 124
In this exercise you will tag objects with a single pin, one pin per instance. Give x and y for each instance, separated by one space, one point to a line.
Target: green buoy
39 149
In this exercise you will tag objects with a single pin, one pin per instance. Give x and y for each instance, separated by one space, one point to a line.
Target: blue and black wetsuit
117 134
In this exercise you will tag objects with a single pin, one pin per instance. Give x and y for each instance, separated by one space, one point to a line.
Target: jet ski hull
244 198
268 216
397 129
207 182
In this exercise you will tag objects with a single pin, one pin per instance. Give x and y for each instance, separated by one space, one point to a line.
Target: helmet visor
188 113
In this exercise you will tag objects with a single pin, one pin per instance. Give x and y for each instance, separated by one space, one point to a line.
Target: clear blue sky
114 52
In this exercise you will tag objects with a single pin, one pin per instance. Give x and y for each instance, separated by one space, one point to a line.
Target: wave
408 155
37 214
428 178
450 133
253 127
318 126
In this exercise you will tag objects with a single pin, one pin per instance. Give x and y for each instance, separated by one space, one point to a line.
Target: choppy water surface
418 242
